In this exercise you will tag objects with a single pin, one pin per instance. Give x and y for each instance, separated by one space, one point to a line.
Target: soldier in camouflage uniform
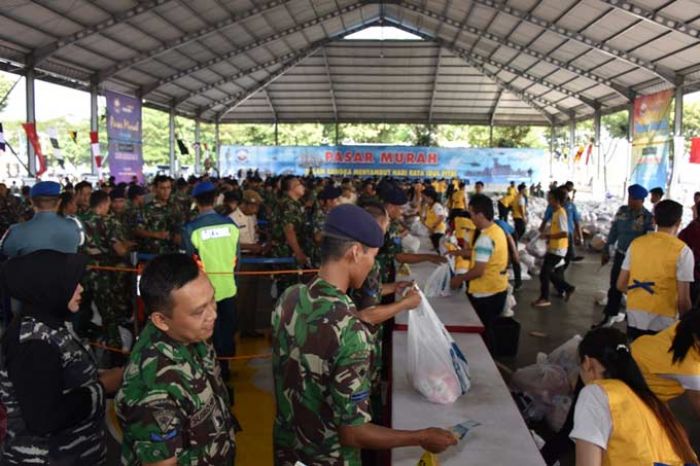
104 248
181 410
9 209
118 228
326 201
184 201
133 214
161 221
288 218
322 382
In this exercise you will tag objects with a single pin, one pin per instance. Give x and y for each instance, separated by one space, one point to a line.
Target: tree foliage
5 86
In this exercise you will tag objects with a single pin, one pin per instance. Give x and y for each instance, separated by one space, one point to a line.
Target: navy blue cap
45 189
136 190
329 192
354 223
637 191
394 196
203 187
117 193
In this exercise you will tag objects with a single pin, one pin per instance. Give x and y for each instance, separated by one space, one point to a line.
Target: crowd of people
73 254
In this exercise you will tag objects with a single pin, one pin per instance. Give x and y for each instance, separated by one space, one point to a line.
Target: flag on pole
95 146
53 135
694 149
182 147
73 136
579 153
2 139
30 130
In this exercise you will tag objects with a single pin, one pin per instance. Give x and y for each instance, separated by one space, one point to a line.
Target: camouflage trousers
110 293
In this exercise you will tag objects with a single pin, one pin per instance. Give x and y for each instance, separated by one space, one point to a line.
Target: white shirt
247 226
592 420
563 228
647 321
483 250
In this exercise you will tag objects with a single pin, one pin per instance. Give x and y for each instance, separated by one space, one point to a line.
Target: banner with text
498 166
124 134
651 139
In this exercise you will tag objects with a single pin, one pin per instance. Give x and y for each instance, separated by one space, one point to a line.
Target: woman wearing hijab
49 382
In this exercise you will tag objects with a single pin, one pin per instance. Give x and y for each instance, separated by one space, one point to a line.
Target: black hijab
44 282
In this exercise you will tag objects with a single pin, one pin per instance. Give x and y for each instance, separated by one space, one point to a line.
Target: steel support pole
277 134
552 130
598 146
31 117
197 146
337 133
572 143
630 141
217 142
94 123
678 139
171 124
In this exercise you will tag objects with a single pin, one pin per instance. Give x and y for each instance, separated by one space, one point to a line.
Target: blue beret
394 196
637 191
45 188
329 192
203 187
354 223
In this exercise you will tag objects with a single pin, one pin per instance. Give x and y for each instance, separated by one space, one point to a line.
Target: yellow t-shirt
666 380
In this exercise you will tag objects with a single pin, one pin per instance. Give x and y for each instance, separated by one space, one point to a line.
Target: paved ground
563 320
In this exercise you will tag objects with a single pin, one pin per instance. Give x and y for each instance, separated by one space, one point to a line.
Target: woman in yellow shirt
618 421
670 360
435 217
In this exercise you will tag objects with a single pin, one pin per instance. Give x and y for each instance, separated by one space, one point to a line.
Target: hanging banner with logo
498 166
124 135
651 139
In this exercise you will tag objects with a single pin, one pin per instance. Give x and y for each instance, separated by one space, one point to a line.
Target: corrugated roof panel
681 9
684 59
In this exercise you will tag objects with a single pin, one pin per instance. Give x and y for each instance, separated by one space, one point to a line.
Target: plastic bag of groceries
419 229
438 282
598 242
566 356
437 368
410 243
558 411
543 382
537 247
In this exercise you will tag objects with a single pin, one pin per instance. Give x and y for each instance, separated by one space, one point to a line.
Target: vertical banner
95 148
651 139
124 136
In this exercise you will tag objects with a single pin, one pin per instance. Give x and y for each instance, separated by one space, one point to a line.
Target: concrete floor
563 320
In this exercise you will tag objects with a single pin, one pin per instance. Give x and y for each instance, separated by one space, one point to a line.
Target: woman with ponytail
670 360
618 420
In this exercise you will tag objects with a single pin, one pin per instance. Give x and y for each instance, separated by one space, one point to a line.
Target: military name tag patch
360 396
155 437
214 233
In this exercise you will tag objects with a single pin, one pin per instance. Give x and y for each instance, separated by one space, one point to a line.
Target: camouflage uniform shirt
287 212
387 253
173 403
370 295
321 354
157 216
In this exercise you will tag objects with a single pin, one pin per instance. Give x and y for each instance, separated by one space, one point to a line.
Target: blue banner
497 166
124 134
651 164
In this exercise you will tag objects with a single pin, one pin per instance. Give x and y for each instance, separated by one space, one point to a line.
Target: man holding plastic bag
488 277
321 357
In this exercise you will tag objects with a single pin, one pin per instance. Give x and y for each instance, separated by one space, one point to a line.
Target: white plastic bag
566 356
542 382
537 247
410 243
558 411
418 229
598 243
438 282
436 366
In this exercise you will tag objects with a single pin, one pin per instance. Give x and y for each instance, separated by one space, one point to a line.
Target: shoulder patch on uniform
359 396
155 437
